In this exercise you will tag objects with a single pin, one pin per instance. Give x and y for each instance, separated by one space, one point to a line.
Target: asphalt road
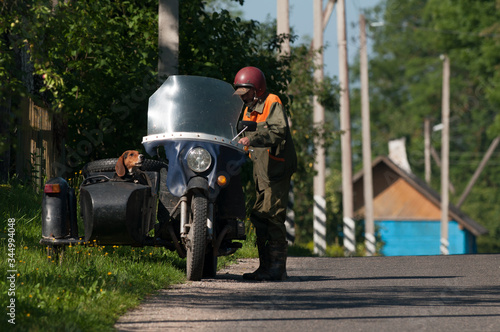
423 293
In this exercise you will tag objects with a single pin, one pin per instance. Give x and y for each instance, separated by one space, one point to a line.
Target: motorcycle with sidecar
192 202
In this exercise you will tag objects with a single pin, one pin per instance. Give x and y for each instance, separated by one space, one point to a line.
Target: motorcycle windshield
194 104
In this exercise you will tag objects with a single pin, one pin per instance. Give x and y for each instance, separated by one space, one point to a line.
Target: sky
301 20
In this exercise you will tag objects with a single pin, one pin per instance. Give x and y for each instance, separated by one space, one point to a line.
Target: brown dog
129 160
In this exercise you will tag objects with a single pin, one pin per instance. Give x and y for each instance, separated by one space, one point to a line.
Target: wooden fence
35 152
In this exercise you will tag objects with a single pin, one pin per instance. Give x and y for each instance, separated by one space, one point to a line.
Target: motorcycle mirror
250 126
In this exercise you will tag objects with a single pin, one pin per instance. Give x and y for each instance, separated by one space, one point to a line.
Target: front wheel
196 237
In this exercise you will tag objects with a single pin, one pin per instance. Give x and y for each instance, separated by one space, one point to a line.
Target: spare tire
108 165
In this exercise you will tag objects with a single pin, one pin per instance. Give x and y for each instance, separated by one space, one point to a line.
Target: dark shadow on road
239 278
288 298
399 278
218 321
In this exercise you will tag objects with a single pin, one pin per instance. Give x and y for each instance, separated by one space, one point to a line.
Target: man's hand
244 141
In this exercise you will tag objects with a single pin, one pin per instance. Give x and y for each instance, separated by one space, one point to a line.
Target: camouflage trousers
269 211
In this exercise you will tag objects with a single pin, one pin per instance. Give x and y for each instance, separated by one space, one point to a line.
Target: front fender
198 182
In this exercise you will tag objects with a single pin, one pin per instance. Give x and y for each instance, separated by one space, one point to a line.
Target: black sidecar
114 211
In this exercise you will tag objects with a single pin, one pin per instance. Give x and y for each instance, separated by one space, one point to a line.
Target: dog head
128 160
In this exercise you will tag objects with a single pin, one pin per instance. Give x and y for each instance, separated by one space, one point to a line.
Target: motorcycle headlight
199 160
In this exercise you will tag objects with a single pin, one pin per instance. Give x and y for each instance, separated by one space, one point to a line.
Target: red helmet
251 77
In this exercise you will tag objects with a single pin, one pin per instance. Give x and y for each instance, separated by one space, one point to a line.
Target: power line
450 32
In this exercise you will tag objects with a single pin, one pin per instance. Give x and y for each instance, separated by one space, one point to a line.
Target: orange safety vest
261 117
258 117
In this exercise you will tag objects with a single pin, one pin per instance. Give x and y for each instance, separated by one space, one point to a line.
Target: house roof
427 194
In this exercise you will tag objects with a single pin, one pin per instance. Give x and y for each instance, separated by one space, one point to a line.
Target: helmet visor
241 91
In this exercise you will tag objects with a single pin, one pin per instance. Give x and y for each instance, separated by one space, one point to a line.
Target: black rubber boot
276 271
263 262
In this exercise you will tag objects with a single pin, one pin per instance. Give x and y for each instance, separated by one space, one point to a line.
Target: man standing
274 161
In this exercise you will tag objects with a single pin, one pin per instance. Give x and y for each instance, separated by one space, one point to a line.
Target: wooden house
407 214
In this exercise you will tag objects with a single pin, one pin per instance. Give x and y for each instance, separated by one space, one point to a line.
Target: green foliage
406 87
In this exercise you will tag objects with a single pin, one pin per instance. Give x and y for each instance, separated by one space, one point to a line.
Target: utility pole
321 19
427 150
345 127
283 25
319 209
283 28
445 150
367 151
168 39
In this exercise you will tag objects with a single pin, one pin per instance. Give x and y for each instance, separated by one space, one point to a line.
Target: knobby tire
196 237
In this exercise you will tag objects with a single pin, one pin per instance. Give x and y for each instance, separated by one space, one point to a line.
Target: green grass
86 290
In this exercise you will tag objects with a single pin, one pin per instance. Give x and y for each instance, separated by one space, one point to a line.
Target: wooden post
445 150
319 209
283 28
427 149
168 39
367 151
345 127
283 24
